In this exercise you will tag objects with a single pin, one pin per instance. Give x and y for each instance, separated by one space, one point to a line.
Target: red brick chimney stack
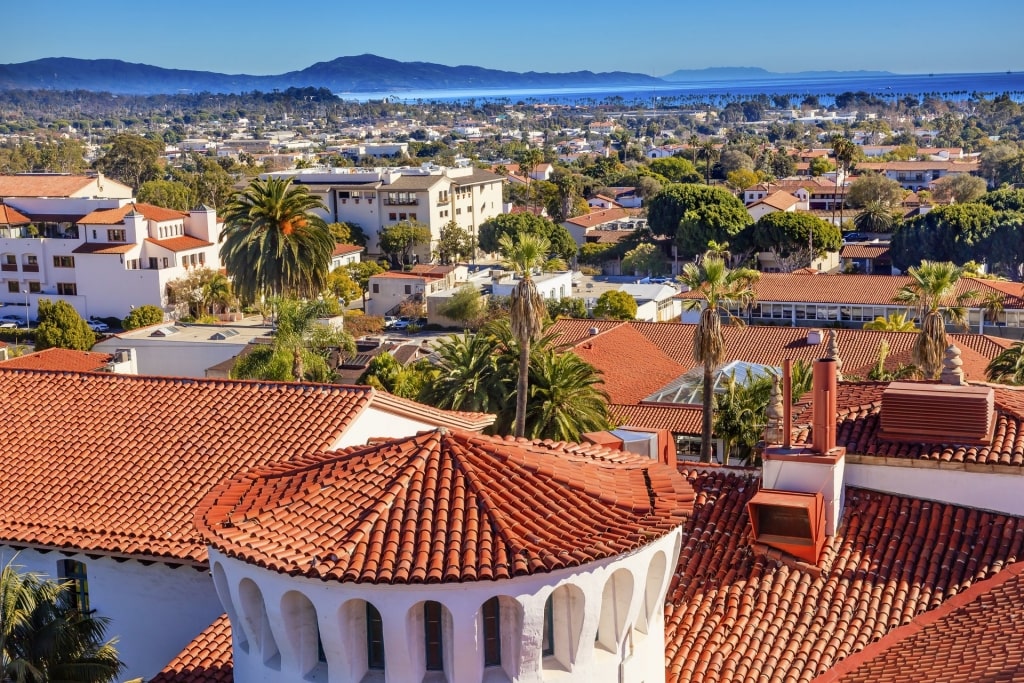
824 421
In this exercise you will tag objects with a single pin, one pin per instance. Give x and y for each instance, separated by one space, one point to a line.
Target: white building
375 198
552 286
405 575
654 302
103 255
107 470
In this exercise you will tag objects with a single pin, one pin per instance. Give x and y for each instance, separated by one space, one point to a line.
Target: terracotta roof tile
871 251
780 200
180 243
42 185
11 216
444 506
103 248
618 353
948 166
116 216
595 218
59 359
207 659
734 615
342 249
136 454
679 419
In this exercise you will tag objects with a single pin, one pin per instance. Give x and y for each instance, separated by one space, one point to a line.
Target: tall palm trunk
522 387
708 416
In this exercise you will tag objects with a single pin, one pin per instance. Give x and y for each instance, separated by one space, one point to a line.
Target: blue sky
645 36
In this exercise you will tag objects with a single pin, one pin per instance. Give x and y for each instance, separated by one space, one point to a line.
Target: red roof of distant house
103 248
948 166
781 200
631 366
207 659
595 218
59 359
678 419
116 216
431 270
343 249
931 648
180 243
42 185
11 216
362 513
866 251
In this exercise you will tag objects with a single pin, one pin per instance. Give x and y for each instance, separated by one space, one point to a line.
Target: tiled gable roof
59 359
949 166
116 216
444 506
343 249
733 614
207 659
11 216
180 243
870 251
42 185
858 408
117 463
594 218
103 248
780 200
631 366
679 419
975 636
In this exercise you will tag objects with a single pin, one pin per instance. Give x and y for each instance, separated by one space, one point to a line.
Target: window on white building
67 289
74 573
433 637
116 235
374 639
492 632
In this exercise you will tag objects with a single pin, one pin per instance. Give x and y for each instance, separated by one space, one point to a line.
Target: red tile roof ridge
59 359
208 658
482 501
894 638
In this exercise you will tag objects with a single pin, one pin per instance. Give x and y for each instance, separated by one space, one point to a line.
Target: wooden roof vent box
937 413
789 521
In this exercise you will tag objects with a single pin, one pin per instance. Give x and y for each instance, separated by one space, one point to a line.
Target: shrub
143 316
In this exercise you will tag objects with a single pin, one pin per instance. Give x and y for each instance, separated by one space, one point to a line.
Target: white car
98 325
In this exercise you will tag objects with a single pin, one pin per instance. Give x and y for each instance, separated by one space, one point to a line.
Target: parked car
11 318
8 326
98 326
854 237
401 324
389 322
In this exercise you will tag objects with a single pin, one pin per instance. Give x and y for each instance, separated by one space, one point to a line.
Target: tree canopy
60 326
675 169
787 232
399 240
874 188
143 316
696 215
613 305
515 224
954 233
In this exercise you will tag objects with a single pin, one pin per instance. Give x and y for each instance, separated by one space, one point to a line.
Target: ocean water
948 86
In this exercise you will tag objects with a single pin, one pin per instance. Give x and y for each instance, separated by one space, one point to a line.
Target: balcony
30 267
9 267
402 202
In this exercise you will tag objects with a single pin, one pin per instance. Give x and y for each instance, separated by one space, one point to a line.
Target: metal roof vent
937 413
594 331
813 337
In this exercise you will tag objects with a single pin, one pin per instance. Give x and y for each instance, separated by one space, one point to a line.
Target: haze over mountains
362 73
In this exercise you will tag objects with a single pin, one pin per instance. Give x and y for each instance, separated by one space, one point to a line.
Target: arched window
374 639
491 613
432 631
548 641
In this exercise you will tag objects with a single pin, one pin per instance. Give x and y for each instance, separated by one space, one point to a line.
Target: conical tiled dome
444 506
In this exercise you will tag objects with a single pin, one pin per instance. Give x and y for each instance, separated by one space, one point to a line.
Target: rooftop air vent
814 337
164 331
789 521
224 334
594 331
937 413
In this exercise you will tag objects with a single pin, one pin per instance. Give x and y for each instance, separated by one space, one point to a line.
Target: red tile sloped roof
180 243
735 615
207 659
631 366
42 185
858 408
975 636
11 216
116 216
444 506
117 463
59 359
679 419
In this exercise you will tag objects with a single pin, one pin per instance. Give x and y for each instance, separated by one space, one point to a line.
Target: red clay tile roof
11 216
42 185
207 659
877 290
595 218
117 463
735 615
180 243
116 216
103 248
858 408
769 346
975 636
948 166
444 506
864 251
780 200
342 249
631 366
679 419
59 359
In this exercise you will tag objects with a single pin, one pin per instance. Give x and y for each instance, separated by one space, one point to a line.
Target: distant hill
753 73
362 73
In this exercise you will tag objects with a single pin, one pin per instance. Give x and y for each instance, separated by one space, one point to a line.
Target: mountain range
362 73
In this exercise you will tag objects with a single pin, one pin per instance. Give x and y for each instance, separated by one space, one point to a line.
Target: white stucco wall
608 623
154 611
374 422
174 359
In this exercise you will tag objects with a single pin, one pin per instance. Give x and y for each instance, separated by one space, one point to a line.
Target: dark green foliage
614 305
956 233
696 215
515 224
400 240
675 170
568 307
786 232
60 326
143 316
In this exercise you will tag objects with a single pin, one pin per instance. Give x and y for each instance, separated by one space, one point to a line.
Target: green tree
894 322
347 233
613 305
875 217
516 224
741 415
44 637
845 152
820 166
675 169
645 259
567 307
273 242
741 179
342 286
467 377
528 162
301 348
1008 366
398 241
170 194
871 188
361 272
455 243
526 313
60 326
709 153
718 288
143 316
385 373
959 188
201 291
931 292
787 233
131 159
465 305
696 214
565 399
956 233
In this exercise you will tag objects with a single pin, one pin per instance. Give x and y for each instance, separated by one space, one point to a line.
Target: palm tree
709 153
565 401
875 217
992 306
273 243
468 375
526 312
894 322
528 164
44 637
1008 366
718 287
845 151
931 285
693 142
300 349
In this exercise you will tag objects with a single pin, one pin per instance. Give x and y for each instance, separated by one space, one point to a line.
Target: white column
291 663
531 660
401 664
467 649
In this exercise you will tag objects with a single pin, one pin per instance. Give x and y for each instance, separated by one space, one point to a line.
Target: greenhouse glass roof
688 387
